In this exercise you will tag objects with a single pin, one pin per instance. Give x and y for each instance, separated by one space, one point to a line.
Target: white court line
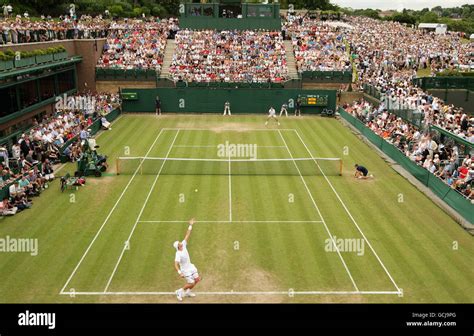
233 221
349 214
216 146
321 216
139 215
289 292
110 214
230 190
229 130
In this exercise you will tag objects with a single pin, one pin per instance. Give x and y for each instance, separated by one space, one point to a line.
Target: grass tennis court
299 233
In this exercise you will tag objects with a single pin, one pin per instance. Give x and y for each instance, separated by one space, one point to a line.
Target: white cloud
400 4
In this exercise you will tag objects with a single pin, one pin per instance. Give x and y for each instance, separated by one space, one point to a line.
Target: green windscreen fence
212 100
450 196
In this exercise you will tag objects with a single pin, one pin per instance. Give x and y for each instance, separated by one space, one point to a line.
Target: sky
400 4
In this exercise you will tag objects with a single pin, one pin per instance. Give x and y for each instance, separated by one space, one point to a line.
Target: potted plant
59 53
6 61
27 59
42 56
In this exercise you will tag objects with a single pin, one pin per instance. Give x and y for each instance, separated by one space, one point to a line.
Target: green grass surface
266 260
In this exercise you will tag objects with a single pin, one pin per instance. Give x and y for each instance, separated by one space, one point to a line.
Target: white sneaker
189 294
179 295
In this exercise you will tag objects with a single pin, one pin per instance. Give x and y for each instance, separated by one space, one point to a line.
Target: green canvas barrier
461 205
450 196
211 100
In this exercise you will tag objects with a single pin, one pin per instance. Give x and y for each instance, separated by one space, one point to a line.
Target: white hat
175 244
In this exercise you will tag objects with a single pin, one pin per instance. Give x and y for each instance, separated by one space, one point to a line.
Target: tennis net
190 166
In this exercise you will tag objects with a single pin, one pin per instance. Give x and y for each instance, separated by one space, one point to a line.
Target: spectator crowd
136 45
29 165
317 45
441 155
229 56
26 30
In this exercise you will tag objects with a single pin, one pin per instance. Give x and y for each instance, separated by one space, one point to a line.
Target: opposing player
227 108
272 115
184 267
284 110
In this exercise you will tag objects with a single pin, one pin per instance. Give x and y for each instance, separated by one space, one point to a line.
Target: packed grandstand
384 55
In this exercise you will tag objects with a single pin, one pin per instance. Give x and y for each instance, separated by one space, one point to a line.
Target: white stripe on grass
110 213
126 244
232 221
321 216
350 215
262 293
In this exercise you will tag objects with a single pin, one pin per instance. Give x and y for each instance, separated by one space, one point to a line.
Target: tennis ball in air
195 190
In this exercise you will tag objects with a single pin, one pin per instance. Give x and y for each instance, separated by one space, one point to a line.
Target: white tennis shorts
191 274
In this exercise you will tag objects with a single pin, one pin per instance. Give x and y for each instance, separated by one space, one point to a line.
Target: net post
340 167
117 166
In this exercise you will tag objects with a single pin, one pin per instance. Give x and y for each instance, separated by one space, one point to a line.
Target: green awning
36 68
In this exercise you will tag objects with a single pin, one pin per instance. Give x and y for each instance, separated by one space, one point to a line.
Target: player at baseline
284 110
272 115
184 267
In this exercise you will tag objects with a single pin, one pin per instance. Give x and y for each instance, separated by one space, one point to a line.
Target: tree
404 18
315 4
466 13
429 17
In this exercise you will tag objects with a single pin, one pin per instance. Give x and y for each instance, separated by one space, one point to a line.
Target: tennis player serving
184 267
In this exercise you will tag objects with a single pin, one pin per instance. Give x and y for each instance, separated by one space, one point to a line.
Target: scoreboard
129 95
314 100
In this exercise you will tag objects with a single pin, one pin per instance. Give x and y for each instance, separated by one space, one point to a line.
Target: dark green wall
198 100
230 24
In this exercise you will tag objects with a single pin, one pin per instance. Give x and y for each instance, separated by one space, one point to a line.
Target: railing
445 83
372 91
414 117
327 76
234 85
116 74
